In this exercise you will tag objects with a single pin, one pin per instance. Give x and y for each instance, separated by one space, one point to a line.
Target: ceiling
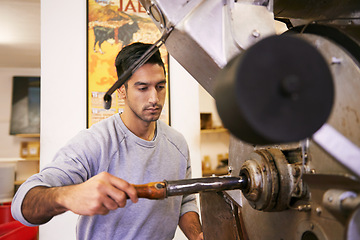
19 33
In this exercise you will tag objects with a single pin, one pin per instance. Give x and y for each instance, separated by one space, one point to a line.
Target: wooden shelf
19 159
216 172
30 135
215 130
30 159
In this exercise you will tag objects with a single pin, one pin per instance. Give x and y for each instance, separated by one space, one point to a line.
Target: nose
153 96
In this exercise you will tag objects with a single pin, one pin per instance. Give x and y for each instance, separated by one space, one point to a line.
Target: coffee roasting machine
291 101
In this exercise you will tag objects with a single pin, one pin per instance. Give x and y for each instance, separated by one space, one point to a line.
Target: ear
122 92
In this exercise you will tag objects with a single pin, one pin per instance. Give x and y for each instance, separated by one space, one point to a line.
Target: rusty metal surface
220 219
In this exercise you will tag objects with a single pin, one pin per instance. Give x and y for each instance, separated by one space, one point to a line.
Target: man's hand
99 195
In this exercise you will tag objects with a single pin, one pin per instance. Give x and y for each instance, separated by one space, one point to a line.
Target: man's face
145 93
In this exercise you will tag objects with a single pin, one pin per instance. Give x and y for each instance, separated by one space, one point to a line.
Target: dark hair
130 53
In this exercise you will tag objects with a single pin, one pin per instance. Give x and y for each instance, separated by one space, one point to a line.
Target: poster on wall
111 25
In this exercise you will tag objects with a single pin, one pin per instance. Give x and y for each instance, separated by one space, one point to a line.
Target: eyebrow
143 83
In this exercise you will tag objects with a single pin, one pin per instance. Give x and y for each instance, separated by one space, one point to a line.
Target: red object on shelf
15 230
10 229
5 213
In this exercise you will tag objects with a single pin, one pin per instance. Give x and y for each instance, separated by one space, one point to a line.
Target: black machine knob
279 90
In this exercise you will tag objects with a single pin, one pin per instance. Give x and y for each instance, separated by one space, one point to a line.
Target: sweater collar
132 136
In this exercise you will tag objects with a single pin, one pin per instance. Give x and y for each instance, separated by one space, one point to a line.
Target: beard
149 113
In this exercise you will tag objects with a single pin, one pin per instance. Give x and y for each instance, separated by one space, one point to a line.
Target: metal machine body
298 189
308 214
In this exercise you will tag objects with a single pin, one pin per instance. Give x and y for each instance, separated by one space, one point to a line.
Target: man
91 175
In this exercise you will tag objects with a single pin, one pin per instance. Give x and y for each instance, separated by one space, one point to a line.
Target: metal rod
161 190
196 185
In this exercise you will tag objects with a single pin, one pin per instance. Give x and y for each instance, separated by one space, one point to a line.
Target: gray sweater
109 146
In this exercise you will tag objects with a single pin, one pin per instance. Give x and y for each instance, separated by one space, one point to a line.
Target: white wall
63 99
10 145
184 107
185 116
63 90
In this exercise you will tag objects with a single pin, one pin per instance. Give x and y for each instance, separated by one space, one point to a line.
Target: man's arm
189 223
98 195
